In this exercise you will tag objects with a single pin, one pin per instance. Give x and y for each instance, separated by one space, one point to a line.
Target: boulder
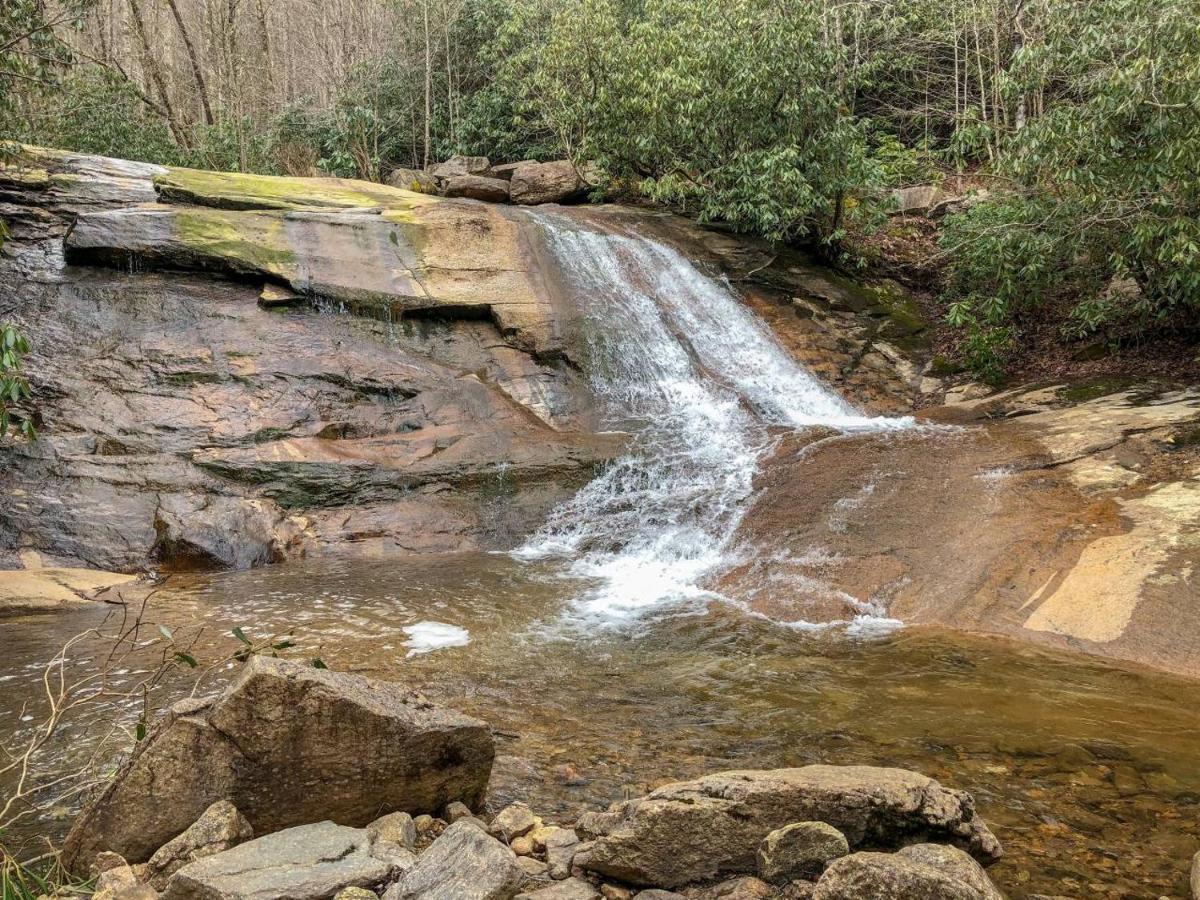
956 864
464 863
477 187
505 170
220 828
395 828
413 180
461 165
513 821
286 744
700 829
799 850
552 182
889 876
310 862
570 889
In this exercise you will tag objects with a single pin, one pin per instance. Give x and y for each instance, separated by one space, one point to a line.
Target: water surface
1089 773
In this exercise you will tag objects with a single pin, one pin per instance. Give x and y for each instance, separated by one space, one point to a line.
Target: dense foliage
784 118
1107 203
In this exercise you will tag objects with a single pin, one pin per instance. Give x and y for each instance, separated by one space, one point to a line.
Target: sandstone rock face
889 876
696 830
799 850
191 428
220 828
552 182
309 862
286 744
477 187
464 863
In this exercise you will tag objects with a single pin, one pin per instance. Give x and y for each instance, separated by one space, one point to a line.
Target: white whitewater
698 380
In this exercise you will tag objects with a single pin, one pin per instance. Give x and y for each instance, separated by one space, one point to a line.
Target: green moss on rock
237 190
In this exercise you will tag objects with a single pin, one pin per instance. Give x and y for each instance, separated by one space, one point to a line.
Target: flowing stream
702 385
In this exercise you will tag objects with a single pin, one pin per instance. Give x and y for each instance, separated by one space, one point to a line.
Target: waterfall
701 385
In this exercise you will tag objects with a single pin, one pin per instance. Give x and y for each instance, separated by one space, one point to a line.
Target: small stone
218 829
744 888
513 821
534 868
423 823
571 889
798 890
355 893
115 878
522 846
657 894
399 858
455 811
463 862
395 828
615 892
105 861
799 850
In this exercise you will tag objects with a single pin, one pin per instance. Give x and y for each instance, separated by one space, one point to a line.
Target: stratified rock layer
287 744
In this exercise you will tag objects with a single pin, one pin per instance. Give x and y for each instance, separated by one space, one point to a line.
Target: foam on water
425 637
699 381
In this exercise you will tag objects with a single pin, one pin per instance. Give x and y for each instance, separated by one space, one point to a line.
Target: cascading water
698 381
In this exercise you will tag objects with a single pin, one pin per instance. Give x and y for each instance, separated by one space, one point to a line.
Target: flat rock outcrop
699 829
287 745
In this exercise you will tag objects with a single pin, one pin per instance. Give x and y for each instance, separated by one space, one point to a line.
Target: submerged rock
464 863
309 862
287 744
696 830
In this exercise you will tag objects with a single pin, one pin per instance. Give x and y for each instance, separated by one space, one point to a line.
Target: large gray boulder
477 187
551 182
287 744
464 863
311 862
461 165
700 829
890 876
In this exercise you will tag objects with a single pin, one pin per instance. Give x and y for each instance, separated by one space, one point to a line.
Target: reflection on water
1088 773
